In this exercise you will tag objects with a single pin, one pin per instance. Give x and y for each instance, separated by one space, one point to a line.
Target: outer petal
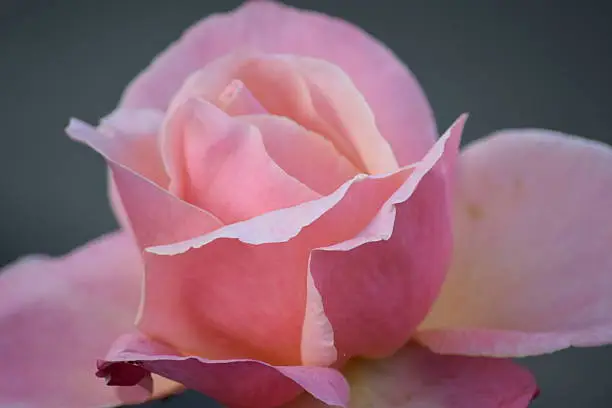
401 109
532 270
155 215
228 300
58 316
377 287
418 378
256 271
133 137
203 323
236 383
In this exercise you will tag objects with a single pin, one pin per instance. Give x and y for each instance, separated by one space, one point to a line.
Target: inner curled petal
236 99
303 154
321 97
316 94
220 164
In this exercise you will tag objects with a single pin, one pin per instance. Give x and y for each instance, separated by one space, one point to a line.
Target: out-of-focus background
510 64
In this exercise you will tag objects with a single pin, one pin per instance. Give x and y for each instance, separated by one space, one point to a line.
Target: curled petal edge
134 357
266 228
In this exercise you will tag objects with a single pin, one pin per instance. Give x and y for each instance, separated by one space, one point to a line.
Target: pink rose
287 210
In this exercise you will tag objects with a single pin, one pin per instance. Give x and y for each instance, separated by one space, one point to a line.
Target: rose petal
221 286
236 99
221 165
158 217
228 300
296 150
217 279
531 271
321 97
402 112
416 378
314 93
155 216
318 346
391 268
236 383
284 224
57 316
131 138
258 273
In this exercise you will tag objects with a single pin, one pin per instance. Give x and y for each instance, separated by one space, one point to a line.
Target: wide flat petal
228 300
220 164
235 383
532 269
377 287
58 316
418 378
403 115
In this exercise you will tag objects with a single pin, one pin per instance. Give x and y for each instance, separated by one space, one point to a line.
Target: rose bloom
294 233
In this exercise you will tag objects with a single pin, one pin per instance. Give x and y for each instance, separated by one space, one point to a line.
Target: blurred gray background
510 64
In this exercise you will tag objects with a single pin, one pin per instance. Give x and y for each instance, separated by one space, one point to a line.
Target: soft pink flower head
293 228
